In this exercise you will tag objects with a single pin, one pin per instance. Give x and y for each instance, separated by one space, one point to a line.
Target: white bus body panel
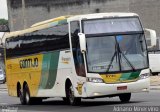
102 89
154 62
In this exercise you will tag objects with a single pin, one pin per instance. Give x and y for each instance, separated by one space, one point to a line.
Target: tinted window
112 25
54 38
77 55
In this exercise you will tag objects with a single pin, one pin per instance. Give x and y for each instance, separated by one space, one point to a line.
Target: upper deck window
112 25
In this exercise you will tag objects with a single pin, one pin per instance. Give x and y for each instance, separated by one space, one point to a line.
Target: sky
3 9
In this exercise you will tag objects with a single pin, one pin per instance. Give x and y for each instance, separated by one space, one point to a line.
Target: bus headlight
144 76
95 80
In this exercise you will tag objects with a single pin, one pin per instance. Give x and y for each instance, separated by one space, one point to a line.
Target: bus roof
39 26
50 21
65 19
101 15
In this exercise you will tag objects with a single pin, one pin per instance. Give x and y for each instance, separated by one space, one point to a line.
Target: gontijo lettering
28 63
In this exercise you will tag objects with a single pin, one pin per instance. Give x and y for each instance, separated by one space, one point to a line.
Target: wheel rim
71 94
27 97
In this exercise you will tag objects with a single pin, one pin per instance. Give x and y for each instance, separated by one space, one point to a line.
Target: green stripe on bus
129 76
44 74
49 70
62 22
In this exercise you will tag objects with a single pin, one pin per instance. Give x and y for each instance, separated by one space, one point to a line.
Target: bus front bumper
103 89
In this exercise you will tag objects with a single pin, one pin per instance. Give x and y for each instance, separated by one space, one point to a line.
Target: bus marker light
97 94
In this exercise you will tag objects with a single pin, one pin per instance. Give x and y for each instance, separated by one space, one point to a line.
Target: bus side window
77 55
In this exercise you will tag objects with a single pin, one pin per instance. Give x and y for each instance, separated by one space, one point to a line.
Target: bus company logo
110 76
28 63
66 60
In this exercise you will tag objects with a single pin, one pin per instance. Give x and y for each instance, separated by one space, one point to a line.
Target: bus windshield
116 52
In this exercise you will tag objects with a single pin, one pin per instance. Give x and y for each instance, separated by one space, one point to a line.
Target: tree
3 21
4 25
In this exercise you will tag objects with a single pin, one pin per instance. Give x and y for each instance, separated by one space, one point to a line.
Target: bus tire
26 95
70 98
125 97
35 100
66 101
154 73
21 97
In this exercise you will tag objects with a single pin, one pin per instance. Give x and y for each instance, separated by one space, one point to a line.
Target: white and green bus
76 57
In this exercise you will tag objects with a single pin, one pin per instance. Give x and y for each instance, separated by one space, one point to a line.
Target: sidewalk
155 82
3 87
154 87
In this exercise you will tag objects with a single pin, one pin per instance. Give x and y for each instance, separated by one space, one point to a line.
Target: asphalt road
145 102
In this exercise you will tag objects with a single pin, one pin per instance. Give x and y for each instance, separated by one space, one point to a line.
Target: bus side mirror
82 40
152 38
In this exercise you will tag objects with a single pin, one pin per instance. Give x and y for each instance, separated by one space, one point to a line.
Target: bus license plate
122 88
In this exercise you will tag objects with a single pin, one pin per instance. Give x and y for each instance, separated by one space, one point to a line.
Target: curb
155 87
3 89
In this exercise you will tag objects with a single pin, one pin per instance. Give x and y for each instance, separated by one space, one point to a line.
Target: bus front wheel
70 98
125 97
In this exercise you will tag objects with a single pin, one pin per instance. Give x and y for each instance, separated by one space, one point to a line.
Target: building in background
2 58
24 13
2 52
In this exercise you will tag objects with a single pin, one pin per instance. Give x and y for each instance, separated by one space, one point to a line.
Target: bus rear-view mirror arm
153 37
82 40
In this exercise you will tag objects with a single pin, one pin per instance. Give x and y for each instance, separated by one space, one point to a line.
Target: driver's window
77 55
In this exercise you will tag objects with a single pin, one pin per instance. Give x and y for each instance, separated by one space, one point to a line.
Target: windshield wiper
118 53
128 62
114 55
